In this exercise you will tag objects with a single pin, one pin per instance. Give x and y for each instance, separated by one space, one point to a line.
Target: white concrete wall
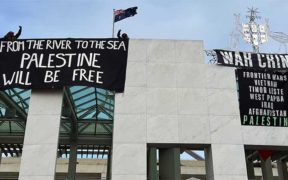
38 161
172 96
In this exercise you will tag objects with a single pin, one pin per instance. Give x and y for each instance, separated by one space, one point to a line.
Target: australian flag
122 14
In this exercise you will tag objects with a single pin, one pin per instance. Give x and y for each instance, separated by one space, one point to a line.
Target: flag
122 14
265 154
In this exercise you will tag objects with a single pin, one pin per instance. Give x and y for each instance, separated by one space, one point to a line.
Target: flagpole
113 23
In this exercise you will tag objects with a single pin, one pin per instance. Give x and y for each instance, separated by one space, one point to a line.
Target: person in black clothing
10 35
123 36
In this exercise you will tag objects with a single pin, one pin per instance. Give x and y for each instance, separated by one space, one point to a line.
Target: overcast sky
208 20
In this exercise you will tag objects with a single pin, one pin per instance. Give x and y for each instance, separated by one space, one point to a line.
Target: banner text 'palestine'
54 63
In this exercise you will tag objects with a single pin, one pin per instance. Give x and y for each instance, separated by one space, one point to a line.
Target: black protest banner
252 60
54 63
263 97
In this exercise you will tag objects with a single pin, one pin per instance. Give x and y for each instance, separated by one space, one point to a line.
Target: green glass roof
92 103
14 104
92 108
87 113
21 97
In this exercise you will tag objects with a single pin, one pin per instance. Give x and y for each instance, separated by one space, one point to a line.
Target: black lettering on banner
263 98
54 63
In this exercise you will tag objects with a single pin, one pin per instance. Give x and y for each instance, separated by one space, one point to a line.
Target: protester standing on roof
10 35
123 36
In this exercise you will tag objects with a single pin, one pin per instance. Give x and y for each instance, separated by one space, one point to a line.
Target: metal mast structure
254 33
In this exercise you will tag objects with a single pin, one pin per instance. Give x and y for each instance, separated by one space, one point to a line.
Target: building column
152 164
169 164
209 163
266 168
250 169
223 158
38 161
282 170
129 161
0 155
109 162
72 161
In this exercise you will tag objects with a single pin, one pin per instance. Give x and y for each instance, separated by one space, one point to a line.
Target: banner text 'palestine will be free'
54 63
